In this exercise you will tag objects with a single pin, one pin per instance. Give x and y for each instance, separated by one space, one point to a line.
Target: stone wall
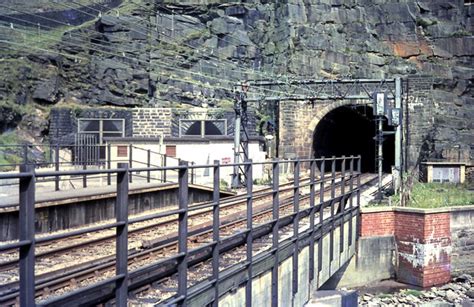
433 124
298 122
63 121
437 123
152 122
462 236
295 139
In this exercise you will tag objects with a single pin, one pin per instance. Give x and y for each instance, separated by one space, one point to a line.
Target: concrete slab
302 295
262 290
236 299
325 270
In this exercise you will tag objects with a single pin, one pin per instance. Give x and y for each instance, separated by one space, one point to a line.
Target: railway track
228 205
157 250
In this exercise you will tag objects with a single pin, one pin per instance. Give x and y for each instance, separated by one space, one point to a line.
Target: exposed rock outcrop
170 53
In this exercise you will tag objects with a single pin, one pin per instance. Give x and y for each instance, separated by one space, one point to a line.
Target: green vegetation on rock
8 155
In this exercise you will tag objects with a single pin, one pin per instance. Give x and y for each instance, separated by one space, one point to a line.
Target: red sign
226 160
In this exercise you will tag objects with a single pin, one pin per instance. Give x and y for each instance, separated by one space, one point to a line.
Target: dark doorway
350 130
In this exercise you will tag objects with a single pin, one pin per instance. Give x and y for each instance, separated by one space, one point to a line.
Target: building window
171 151
102 128
202 128
98 129
122 151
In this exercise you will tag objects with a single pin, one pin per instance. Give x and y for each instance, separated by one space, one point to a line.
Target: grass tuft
436 195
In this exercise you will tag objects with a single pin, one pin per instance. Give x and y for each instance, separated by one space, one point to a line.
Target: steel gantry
312 91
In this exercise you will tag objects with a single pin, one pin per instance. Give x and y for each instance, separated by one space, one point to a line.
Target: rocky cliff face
191 52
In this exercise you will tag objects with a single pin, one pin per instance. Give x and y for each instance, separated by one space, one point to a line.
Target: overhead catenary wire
171 68
59 22
162 64
184 17
173 77
111 48
146 29
203 75
169 76
232 63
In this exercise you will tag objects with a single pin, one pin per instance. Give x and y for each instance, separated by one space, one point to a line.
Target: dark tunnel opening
350 130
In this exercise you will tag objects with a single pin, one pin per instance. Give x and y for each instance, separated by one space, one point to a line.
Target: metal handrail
26 244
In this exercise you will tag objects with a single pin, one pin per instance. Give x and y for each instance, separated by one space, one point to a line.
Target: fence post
215 231
311 218
275 228
109 163
130 151
351 188
27 233
296 222
121 243
56 168
50 154
164 165
321 212
249 184
148 164
183 231
84 177
333 195
359 169
342 204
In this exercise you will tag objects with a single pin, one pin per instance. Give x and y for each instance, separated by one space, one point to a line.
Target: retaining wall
261 278
423 247
462 241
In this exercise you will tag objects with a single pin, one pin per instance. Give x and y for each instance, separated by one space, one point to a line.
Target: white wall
223 151
199 153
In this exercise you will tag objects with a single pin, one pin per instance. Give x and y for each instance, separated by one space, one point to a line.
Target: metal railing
88 156
123 280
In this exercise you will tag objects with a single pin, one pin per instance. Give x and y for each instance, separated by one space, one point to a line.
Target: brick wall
152 122
423 243
424 246
377 224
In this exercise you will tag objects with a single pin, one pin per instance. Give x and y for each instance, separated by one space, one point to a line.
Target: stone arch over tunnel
348 128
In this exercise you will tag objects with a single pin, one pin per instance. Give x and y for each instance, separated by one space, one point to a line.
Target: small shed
445 171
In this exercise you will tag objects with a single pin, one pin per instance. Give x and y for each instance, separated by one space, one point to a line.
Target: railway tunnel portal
334 128
350 130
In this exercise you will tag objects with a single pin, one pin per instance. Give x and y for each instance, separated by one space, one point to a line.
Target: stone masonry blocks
152 122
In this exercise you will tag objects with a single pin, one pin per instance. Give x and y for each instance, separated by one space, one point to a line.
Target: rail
118 286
